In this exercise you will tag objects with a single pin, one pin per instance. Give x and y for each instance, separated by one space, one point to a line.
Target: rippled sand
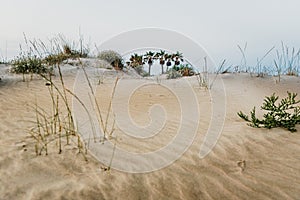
246 163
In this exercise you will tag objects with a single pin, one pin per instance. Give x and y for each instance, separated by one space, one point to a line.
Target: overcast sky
218 25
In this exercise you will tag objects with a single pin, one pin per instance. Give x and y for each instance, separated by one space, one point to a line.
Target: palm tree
177 57
168 58
149 57
136 60
161 56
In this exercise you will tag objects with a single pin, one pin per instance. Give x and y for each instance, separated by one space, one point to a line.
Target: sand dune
246 163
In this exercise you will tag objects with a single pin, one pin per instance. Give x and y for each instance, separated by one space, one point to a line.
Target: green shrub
54 59
65 54
173 74
29 65
184 70
73 53
113 58
285 114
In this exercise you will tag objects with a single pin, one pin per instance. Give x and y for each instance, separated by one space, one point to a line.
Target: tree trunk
149 70
162 69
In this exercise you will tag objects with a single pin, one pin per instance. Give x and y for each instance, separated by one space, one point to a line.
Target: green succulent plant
285 114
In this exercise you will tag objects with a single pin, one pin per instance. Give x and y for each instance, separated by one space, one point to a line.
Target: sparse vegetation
29 65
184 69
173 74
37 58
220 70
286 62
56 128
203 78
113 58
285 114
58 125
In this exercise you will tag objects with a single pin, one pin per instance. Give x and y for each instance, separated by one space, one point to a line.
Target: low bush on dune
285 114
74 53
39 58
66 53
173 74
29 65
179 71
54 59
113 58
184 70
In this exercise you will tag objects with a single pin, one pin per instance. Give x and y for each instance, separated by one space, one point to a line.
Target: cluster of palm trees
149 57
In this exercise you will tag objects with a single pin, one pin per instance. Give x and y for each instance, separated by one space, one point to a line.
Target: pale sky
218 25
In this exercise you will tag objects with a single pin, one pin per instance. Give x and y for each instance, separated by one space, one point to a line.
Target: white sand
272 157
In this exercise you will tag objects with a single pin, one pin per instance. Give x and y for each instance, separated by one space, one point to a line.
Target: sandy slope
272 156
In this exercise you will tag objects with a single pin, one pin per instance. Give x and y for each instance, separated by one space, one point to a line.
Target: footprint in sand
242 164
